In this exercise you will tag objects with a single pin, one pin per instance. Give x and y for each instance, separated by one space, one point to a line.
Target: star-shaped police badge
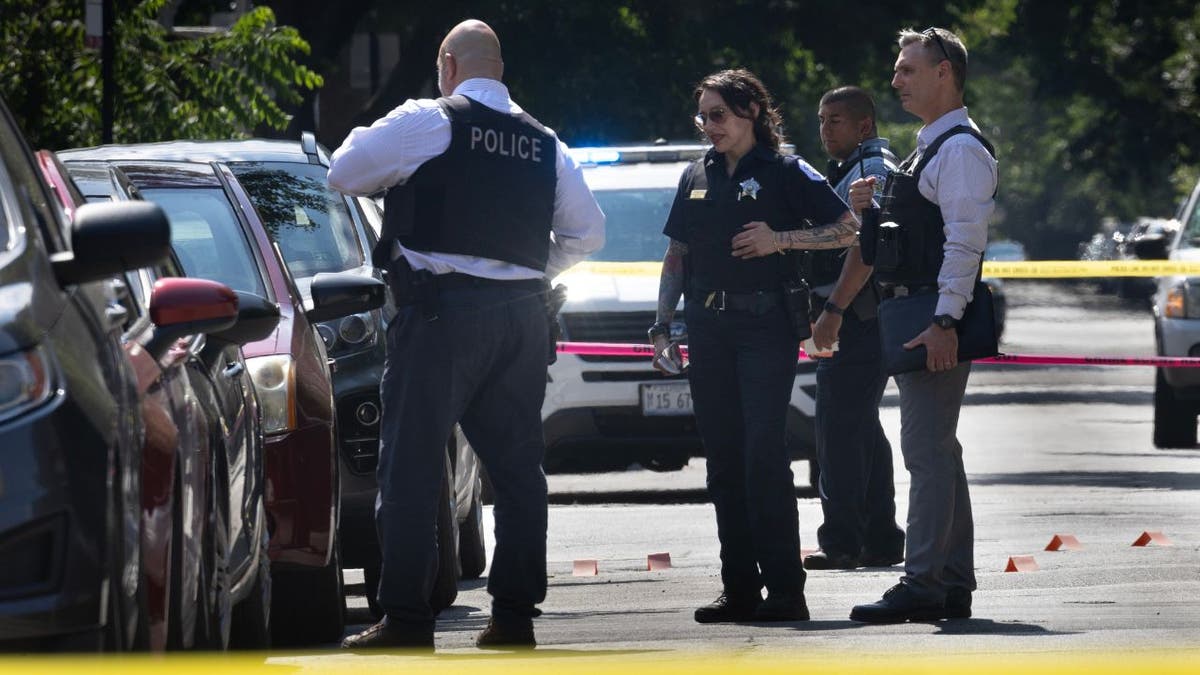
750 188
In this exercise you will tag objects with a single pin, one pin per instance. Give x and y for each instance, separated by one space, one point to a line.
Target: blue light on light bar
596 155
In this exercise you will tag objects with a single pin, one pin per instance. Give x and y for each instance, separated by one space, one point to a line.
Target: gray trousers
940 550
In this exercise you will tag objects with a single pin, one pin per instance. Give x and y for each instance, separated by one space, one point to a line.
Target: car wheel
307 606
252 616
445 586
472 547
1174 419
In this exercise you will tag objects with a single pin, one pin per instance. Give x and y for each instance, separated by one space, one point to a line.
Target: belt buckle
899 291
715 301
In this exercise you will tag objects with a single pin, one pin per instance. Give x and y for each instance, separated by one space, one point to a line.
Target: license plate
667 398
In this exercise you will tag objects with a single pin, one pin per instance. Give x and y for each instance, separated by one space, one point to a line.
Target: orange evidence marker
658 561
1064 541
1155 538
585 568
1021 563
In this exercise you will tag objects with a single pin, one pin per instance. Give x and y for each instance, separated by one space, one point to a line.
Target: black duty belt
753 301
901 290
457 280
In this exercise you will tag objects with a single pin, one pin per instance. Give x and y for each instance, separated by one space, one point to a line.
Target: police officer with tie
484 204
941 198
858 496
738 214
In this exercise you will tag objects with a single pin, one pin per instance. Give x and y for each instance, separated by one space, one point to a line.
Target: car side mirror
181 306
108 239
1152 247
257 318
339 294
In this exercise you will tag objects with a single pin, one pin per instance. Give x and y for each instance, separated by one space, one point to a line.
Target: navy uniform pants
482 363
743 366
858 496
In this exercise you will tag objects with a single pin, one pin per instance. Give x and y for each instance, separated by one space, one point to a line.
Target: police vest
822 267
712 223
490 195
921 233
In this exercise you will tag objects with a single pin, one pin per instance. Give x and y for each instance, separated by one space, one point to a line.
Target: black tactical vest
822 267
713 221
490 195
921 233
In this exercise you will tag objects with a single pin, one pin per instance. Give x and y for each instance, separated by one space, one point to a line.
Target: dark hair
940 44
858 102
740 87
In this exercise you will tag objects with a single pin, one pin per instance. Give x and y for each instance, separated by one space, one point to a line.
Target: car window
634 224
1191 231
207 237
304 216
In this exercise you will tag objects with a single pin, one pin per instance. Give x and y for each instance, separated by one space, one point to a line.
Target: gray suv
1176 326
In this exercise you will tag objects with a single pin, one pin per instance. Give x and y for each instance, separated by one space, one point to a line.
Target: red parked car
217 234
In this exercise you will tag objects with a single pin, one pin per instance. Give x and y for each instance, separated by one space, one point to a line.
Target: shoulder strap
457 106
937 145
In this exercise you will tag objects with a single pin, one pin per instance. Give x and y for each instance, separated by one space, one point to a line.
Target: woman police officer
737 213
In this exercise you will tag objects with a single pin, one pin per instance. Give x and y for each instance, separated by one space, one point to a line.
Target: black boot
830 560
508 633
729 608
779 607
958 603
899 604
390 634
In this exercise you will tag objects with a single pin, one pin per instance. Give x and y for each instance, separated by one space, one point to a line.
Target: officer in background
736 214
858 497
485 203
941 196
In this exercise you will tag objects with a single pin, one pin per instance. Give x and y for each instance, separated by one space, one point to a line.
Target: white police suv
612 411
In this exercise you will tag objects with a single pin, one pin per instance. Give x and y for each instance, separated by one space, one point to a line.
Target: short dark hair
940 44
740 87
858 102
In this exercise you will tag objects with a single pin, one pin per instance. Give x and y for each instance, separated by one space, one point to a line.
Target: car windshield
308 220
207 237
634 224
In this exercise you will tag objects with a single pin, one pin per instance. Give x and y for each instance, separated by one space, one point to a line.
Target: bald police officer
484 204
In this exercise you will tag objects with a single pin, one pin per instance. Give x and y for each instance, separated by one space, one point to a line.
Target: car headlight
25 382
1182 302
274 379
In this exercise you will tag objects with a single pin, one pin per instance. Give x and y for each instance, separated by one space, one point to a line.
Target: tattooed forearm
838 235
670 284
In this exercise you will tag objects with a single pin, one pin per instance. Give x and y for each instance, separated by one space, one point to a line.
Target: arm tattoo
670 284
837 235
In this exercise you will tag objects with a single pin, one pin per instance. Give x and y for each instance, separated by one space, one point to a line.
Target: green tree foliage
217 86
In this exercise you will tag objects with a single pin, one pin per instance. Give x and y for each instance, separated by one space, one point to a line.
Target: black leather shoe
826 560
388 634
899 604
729 608
782 608
881 559
507 634
958 603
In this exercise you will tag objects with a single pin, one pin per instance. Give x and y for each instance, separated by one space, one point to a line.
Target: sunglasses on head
932 32
717 115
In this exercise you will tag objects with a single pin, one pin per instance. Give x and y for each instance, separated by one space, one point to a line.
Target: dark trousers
743 366
858 496
482 362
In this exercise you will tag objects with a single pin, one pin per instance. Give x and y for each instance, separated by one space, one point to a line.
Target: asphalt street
1048 451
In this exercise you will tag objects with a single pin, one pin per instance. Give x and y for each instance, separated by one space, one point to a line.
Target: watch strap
833 309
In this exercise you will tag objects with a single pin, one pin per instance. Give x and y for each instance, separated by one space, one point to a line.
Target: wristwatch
657 330
833 309
945 321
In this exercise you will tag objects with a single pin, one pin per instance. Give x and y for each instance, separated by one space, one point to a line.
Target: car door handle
234 370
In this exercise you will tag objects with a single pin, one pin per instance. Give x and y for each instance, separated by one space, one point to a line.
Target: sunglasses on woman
717 115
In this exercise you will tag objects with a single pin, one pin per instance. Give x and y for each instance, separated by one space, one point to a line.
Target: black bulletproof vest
922 235
822 267
713 221
490 195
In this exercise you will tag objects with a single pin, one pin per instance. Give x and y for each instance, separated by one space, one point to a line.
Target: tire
445 586
307 606
251 628
1174 419
472 547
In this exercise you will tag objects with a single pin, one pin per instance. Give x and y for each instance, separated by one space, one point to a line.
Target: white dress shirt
961 179
389 151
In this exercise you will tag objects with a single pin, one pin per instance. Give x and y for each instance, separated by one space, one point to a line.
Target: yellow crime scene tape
1025 269
631 661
